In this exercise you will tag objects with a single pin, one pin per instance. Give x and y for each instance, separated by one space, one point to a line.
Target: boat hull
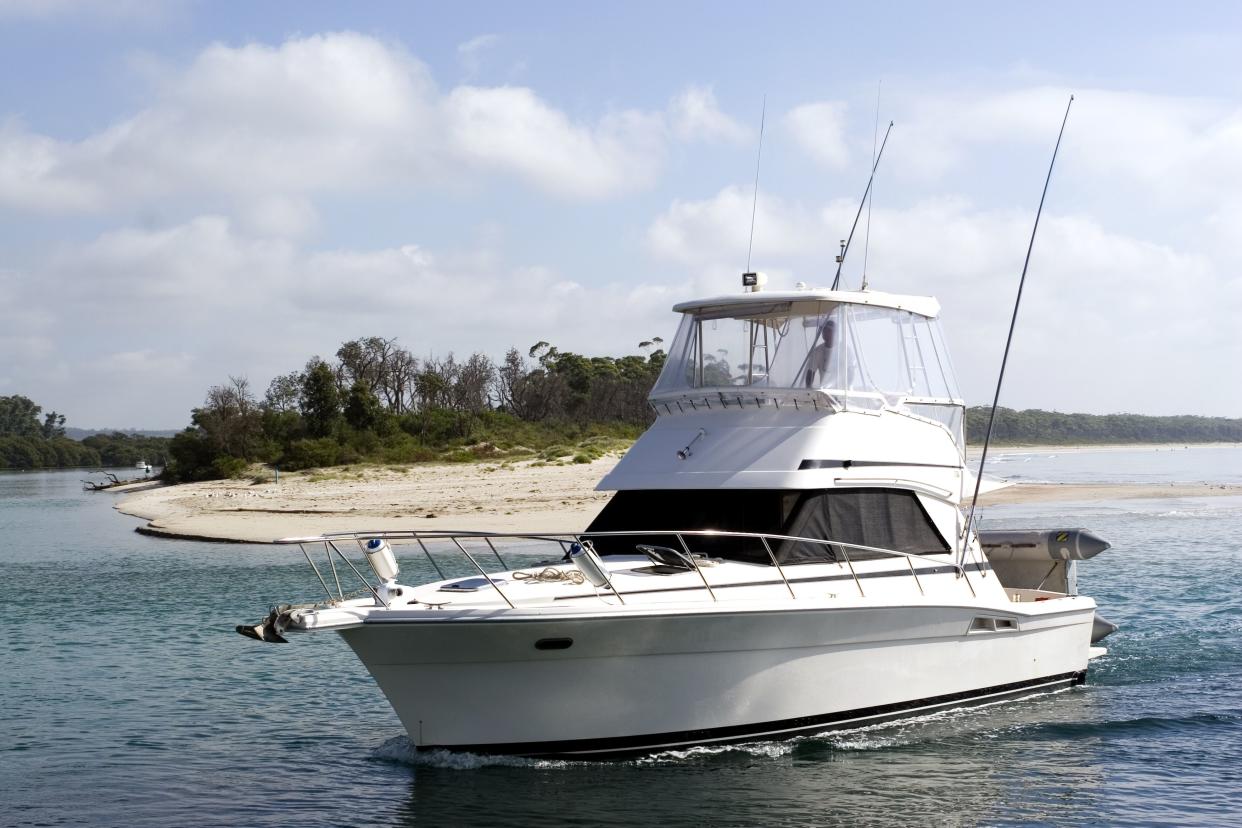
605 686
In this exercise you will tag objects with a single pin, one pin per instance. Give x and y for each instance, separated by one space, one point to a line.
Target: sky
193 191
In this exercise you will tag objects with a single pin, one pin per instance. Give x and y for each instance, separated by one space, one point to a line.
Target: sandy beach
480 496
509 497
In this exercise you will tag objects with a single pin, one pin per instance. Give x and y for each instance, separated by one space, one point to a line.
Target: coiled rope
551 575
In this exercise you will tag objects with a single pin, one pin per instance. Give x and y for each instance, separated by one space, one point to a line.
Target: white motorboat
785 553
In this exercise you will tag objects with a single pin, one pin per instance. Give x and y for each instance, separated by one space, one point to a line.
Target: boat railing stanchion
915 575
850 564
430 559
779 570
361 577
482 571
491 546
966 578
695 564
961 559
306 555
332 564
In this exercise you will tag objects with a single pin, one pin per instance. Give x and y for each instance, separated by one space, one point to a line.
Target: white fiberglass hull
600 685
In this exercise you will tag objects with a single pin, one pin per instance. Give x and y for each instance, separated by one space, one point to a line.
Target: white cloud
279 216
188 271
1176 150
164 314
1107 320
694 115
471 52
32 173
145 366
819 129
339 113
511 129
717 230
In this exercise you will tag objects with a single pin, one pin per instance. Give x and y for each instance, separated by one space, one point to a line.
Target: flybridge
819 349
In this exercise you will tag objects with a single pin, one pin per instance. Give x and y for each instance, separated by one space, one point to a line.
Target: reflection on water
956 768
130 700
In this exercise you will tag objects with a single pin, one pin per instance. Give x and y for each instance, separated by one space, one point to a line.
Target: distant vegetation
377 403
30 439
82 433
1037 427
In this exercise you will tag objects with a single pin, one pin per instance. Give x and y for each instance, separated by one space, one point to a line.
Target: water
129 700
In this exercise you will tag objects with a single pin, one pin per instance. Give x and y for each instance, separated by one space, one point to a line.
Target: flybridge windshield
863 355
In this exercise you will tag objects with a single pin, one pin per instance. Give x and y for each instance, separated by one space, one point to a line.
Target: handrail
556 537
562 538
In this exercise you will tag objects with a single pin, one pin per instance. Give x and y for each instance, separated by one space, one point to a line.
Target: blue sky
191 191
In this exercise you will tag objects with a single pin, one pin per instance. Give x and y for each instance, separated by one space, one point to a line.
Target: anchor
270 629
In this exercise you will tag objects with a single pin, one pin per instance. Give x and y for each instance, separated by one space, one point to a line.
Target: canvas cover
883 518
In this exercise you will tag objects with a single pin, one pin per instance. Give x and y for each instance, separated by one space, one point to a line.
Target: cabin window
881 518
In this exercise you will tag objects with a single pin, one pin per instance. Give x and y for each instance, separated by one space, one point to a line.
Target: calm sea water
128 699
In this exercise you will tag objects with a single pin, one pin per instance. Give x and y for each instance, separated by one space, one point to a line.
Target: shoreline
523 496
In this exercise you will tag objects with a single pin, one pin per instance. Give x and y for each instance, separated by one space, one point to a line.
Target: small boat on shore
785 553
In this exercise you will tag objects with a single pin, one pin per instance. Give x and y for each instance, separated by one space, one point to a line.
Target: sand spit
484 496
516 497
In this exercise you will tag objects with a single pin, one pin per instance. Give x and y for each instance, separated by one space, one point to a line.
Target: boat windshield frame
859 355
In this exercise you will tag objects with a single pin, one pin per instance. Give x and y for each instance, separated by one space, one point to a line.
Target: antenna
874 135
845 245
754 204
1012 322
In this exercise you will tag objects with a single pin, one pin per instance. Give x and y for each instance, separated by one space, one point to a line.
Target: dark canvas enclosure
883 518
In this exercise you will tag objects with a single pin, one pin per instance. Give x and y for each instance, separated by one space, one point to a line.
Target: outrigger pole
845 245
970 520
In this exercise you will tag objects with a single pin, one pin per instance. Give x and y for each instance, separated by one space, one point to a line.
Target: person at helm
819 364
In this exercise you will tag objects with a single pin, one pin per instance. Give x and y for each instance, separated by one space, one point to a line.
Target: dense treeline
30 439
125 449
377 402
1034 426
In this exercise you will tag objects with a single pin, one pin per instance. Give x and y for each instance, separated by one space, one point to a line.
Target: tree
387 369
363 410
516 389
472 384
19 416
320 401
284 392
433 385
230 419
53 425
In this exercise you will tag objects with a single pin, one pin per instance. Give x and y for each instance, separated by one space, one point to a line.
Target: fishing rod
845 245
750 279
754 204
1012 323
875 133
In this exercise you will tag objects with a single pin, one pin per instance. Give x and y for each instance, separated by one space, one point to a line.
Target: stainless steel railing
459 539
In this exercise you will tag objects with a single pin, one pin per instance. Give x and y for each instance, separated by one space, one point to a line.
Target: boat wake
400 750
884 736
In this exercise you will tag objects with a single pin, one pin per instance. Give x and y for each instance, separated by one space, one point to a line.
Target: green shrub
229 467
311 454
